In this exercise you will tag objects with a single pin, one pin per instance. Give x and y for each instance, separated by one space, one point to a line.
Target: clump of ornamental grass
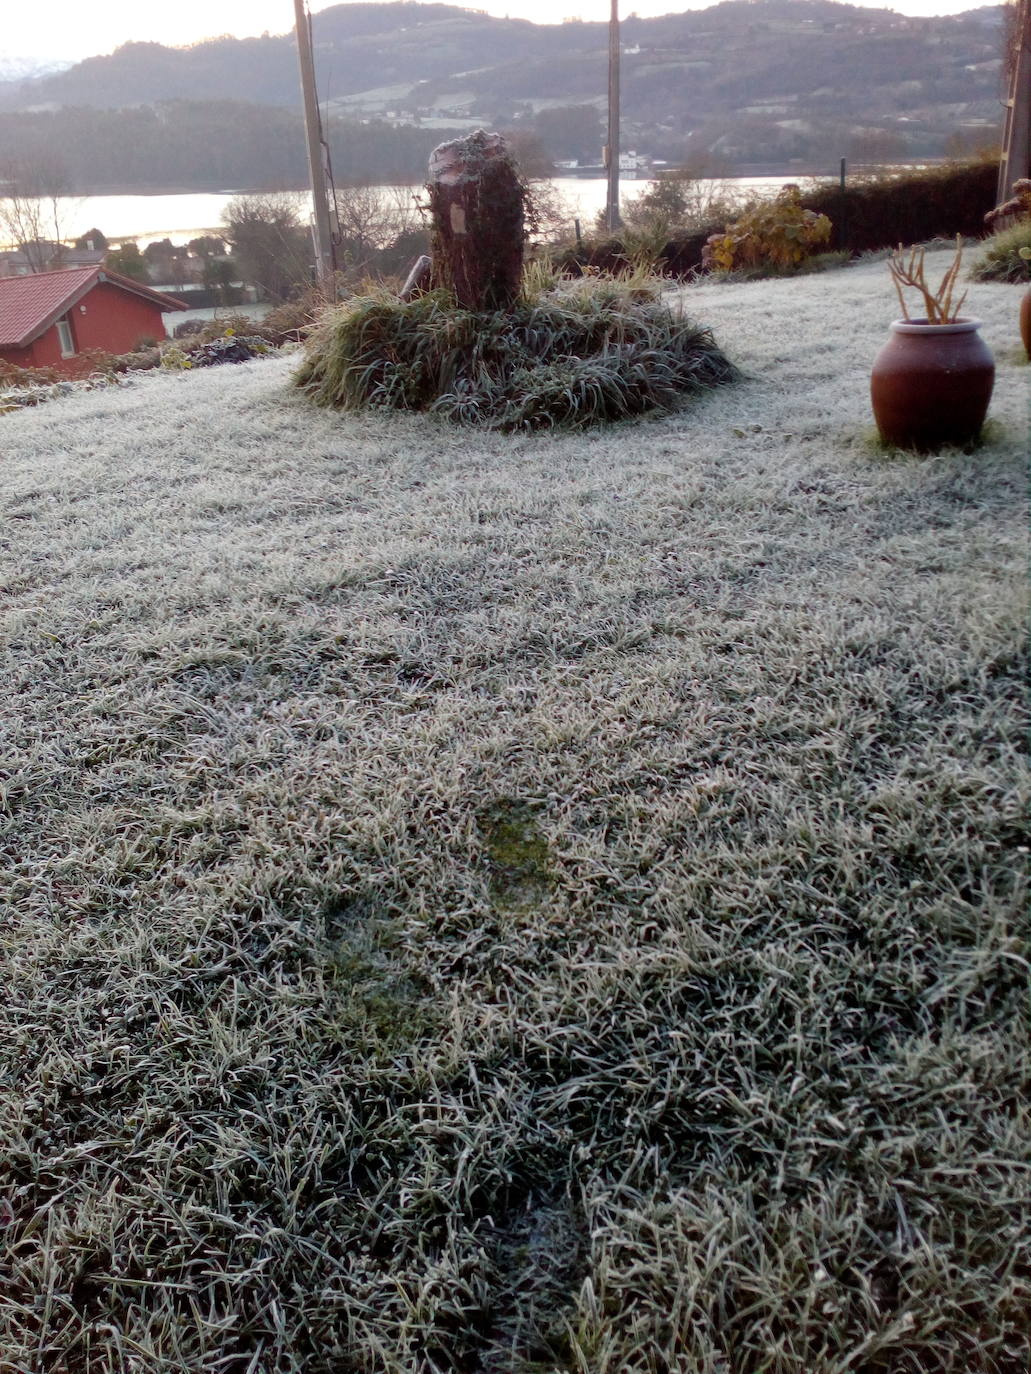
1001 257
565 355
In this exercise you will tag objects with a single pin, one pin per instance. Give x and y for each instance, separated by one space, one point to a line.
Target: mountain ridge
744 79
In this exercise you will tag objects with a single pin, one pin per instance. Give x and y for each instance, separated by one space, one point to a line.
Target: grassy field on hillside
518 905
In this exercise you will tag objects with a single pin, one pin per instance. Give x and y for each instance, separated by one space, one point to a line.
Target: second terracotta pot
931 384
1025 321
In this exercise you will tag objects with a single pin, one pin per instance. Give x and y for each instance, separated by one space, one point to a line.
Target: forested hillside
201 145
771 81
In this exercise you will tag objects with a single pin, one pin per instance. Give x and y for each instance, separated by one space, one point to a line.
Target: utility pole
612 221
325 254
1016 140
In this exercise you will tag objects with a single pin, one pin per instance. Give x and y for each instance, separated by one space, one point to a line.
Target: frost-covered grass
502 904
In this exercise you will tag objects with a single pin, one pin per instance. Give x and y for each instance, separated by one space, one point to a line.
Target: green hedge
938 202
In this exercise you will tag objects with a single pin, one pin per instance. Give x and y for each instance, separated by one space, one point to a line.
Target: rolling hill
773 80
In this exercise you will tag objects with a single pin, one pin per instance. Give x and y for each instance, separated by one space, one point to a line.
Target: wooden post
1015 162
477 201
612 220
419 278
325 256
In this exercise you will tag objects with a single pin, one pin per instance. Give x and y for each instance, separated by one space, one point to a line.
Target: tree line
202 145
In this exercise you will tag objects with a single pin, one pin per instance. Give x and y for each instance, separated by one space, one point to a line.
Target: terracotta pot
931 384
1025 321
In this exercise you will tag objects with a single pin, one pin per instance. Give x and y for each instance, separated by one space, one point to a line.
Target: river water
182 217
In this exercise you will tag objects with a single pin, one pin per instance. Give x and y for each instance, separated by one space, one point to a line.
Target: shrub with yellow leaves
776 233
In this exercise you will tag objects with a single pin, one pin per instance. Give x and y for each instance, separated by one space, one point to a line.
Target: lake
182 217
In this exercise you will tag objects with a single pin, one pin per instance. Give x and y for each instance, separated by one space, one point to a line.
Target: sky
71 29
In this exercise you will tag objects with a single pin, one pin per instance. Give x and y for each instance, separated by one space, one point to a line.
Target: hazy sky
71 28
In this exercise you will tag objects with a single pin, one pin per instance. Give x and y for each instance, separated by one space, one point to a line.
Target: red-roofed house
50 319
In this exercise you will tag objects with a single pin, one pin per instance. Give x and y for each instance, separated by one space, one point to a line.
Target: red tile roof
30 305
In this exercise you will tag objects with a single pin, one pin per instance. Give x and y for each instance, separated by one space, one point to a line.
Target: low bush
774 234
587 354
140 361
21 387
679 199
89 362
230 348
11 375
208 349
1013 210
175 359
225 325
187 328
680 256
1000 258
291 321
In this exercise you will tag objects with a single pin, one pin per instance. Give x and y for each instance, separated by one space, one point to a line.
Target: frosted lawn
478 903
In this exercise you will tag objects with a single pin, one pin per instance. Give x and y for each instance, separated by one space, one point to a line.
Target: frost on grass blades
534 904
572 356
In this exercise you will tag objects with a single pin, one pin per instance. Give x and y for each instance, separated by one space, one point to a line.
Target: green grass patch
517 851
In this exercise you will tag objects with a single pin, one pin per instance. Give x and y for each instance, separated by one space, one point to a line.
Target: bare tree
371 218
32 203
270 244
691 196
550 217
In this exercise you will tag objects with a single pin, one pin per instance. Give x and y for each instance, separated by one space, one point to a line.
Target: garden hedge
935 202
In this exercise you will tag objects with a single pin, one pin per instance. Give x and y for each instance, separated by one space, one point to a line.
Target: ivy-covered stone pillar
477 200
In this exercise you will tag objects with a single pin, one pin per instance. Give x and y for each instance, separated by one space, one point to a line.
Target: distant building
92 239
634 165
50 319
47 255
